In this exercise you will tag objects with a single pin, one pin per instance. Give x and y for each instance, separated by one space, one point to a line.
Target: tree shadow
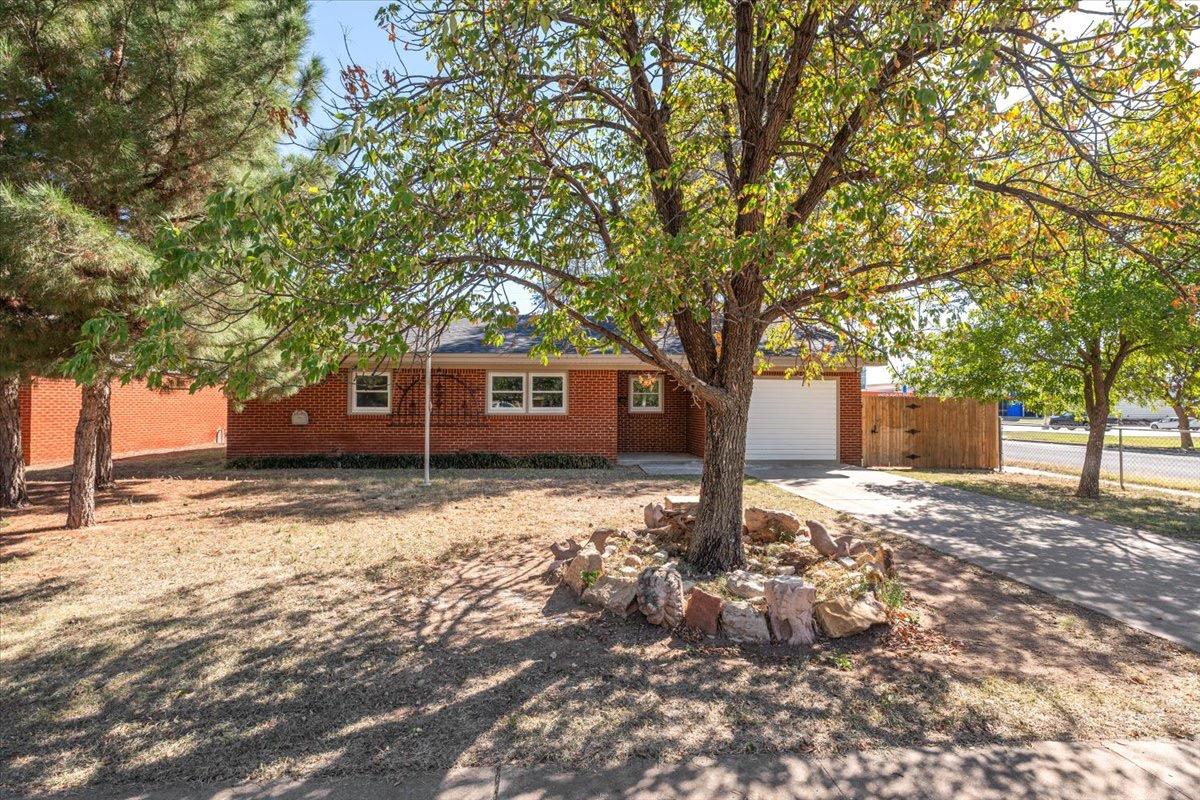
341 671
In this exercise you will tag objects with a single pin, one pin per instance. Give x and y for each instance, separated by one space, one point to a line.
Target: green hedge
415 461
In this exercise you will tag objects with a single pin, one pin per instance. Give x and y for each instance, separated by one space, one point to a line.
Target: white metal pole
428 407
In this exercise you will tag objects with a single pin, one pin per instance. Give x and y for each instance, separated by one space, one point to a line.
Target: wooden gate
930 432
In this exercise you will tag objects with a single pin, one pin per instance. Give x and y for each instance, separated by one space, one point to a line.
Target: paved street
1138 463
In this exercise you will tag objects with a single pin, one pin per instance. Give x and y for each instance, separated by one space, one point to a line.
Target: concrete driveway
1145 580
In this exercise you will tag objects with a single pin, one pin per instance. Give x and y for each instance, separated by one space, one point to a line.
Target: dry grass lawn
222 625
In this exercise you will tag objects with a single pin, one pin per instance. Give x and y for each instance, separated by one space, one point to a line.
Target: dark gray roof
466 338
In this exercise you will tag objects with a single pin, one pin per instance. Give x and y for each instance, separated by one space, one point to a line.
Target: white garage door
790 419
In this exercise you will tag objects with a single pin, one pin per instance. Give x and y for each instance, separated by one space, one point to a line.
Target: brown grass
231 625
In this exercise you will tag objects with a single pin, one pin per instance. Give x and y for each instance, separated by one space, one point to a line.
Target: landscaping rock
742 622
685 503
745 584
565 550
616 594
790 609
660 596
703 611
821 539
654 516
845 616
600 537
880 558
588 559
760 520
798 558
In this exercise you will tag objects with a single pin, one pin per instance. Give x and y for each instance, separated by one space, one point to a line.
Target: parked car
1065 421
1072 422
1172 424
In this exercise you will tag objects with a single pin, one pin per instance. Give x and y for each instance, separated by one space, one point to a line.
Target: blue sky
345 29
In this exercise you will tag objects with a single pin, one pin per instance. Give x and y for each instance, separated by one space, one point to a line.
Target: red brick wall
849 417
459 422
24 392
652 431
143 419
849 420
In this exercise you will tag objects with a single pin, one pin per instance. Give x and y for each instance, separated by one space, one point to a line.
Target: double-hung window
371 393
547 393
645 393
506 392
527 393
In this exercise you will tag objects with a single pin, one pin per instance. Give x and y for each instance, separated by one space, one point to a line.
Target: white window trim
646 409
353 400
529 393
524 392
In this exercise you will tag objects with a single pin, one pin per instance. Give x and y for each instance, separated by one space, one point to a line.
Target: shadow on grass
493 666
319 495
338 672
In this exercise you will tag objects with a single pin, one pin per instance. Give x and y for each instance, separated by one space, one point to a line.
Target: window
645 393
547 393
371 393
521 393
506 393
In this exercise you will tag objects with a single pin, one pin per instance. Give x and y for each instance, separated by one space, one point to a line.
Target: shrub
415 461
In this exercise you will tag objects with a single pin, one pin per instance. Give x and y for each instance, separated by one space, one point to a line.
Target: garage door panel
790 419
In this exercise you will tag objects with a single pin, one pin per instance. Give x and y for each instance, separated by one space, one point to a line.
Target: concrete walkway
1145 580
1136 770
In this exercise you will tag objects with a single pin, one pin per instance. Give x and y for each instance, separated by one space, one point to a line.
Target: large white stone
790 609
660 596
845 616
683 502
618 594
745 584
742 622
588 559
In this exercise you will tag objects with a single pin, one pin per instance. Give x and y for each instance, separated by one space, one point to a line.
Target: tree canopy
726 169
62 267
134 112
139 110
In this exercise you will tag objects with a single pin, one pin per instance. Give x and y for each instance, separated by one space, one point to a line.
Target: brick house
497 400
144 420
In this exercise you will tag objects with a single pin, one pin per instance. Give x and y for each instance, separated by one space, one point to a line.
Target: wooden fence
932 432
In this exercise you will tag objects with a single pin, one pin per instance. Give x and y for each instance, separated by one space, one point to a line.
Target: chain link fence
1133 454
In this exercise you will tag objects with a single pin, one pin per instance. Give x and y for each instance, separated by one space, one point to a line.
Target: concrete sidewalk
1141 770
1145 580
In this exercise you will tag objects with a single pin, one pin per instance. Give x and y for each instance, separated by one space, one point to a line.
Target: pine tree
138 111
62 266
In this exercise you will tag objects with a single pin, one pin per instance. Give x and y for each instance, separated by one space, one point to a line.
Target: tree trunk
1093 456
104 464
81 508
1095 399
12 460
717 540
1185 427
